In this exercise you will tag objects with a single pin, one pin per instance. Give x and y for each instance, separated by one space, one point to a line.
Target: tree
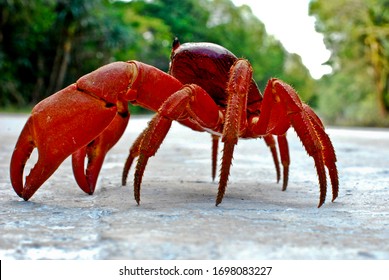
48 44
357 33
23 29
221 22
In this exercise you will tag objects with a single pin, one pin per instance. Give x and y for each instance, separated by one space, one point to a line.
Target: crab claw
58 126
96 150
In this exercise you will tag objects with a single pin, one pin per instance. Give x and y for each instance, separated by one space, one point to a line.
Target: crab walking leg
238 85
282 108
329 152
96 151
191 102
285 159
152 140
215 151
313 145
134 152
269 140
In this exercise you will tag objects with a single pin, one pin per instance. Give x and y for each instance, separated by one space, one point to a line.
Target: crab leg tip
220 195
321 202
137 199
25 196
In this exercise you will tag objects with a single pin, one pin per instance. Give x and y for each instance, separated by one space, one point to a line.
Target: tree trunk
61 61
382 93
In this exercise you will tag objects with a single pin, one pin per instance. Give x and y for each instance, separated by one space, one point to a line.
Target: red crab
207 89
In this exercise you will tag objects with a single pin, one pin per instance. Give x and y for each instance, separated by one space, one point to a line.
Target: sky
289 22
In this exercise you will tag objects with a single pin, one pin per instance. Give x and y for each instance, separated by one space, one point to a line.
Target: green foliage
241 32
47 44
23 25
357 33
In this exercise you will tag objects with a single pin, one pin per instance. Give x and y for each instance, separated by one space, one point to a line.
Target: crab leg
285 159
186 103
134 152
152 140
215 151
269 140
282 108
329 152
135 147
235 120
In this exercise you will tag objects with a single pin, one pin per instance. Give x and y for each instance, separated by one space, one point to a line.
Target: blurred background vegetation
46 45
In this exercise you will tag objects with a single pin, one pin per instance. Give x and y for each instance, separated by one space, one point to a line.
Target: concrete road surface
177 218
